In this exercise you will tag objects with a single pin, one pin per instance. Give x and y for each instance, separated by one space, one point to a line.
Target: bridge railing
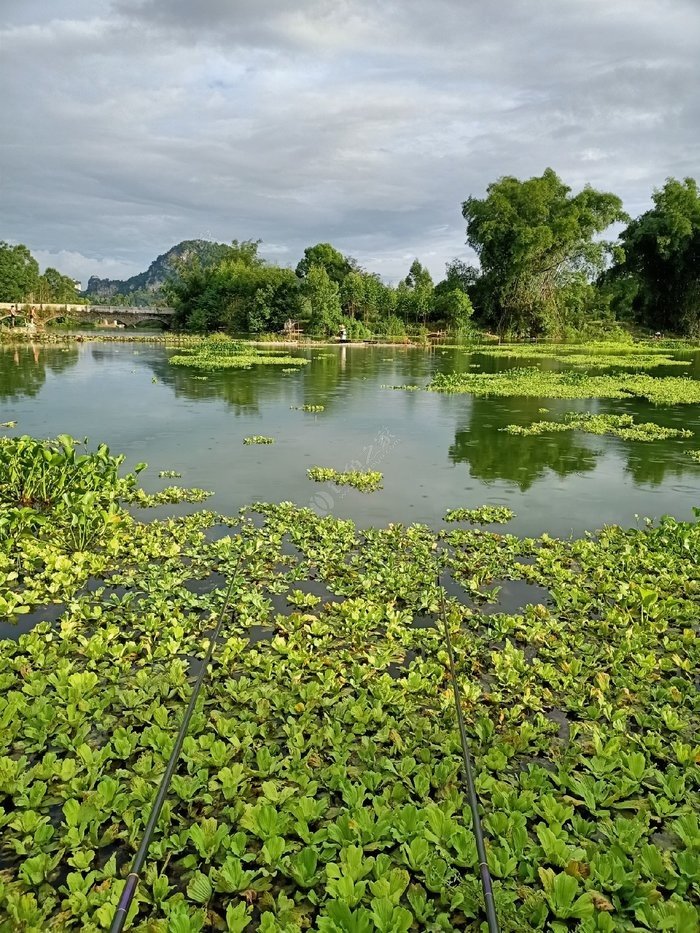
124 309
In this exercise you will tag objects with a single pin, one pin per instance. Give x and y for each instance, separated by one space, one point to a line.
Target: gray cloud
136 123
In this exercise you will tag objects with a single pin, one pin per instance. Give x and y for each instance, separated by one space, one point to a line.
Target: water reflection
23 368
495 455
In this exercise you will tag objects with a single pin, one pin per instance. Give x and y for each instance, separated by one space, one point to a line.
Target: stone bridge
101 315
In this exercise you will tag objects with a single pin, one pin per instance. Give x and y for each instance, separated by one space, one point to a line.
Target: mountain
146 287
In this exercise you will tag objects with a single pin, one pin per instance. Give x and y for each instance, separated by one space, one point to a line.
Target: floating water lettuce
258 439
603 355
221 352
536 383
486 515
320 786
170 474
364 480
623 426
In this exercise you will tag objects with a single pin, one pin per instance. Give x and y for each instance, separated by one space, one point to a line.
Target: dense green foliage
538 250
21 282
320 785
658 281
544 269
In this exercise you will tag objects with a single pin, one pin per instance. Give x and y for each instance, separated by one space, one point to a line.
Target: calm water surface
436 451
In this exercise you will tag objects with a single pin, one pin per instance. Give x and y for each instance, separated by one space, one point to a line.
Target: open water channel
436 451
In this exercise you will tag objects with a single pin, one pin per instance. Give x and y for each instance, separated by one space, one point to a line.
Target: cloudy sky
132 124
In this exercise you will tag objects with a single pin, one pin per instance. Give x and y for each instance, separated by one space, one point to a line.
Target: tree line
545 268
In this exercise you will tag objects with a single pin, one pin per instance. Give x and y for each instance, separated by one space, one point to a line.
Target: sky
130 125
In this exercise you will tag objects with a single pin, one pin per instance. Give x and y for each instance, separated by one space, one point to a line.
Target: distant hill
146 287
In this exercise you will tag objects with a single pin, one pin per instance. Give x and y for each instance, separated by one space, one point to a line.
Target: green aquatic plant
602 355
486 515
258 439
622 426
364 480
39 474
221 352
694 455
169 474
319 786
168 496
313 408
8 424
406 388
535 383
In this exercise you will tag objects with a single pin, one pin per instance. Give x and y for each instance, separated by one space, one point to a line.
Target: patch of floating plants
312 408
258 439
319 786
364 480
602 355
622 426
485 515
221 352
535 383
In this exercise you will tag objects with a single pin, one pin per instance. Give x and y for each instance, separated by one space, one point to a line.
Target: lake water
436 451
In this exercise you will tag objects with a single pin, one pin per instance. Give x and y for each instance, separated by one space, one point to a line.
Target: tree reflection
494 455
23 368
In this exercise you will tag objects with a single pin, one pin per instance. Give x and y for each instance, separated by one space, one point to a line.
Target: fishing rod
469 776
132 879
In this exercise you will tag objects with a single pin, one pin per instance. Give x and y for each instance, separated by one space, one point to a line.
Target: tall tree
322 301
329 258
537 243
662 256
53 286
417 293
19 273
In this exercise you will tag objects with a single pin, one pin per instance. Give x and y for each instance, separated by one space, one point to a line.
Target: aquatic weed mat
530 382
320 785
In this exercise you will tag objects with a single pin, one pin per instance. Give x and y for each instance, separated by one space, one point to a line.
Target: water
436 451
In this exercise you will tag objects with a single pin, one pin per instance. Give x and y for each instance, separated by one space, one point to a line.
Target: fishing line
132 880
469 776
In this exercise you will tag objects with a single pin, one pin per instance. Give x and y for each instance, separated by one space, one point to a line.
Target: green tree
329 258
455 308
55 287
415 294
536 242
321 297
352 293
19 273
275 300
662 259
458 275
